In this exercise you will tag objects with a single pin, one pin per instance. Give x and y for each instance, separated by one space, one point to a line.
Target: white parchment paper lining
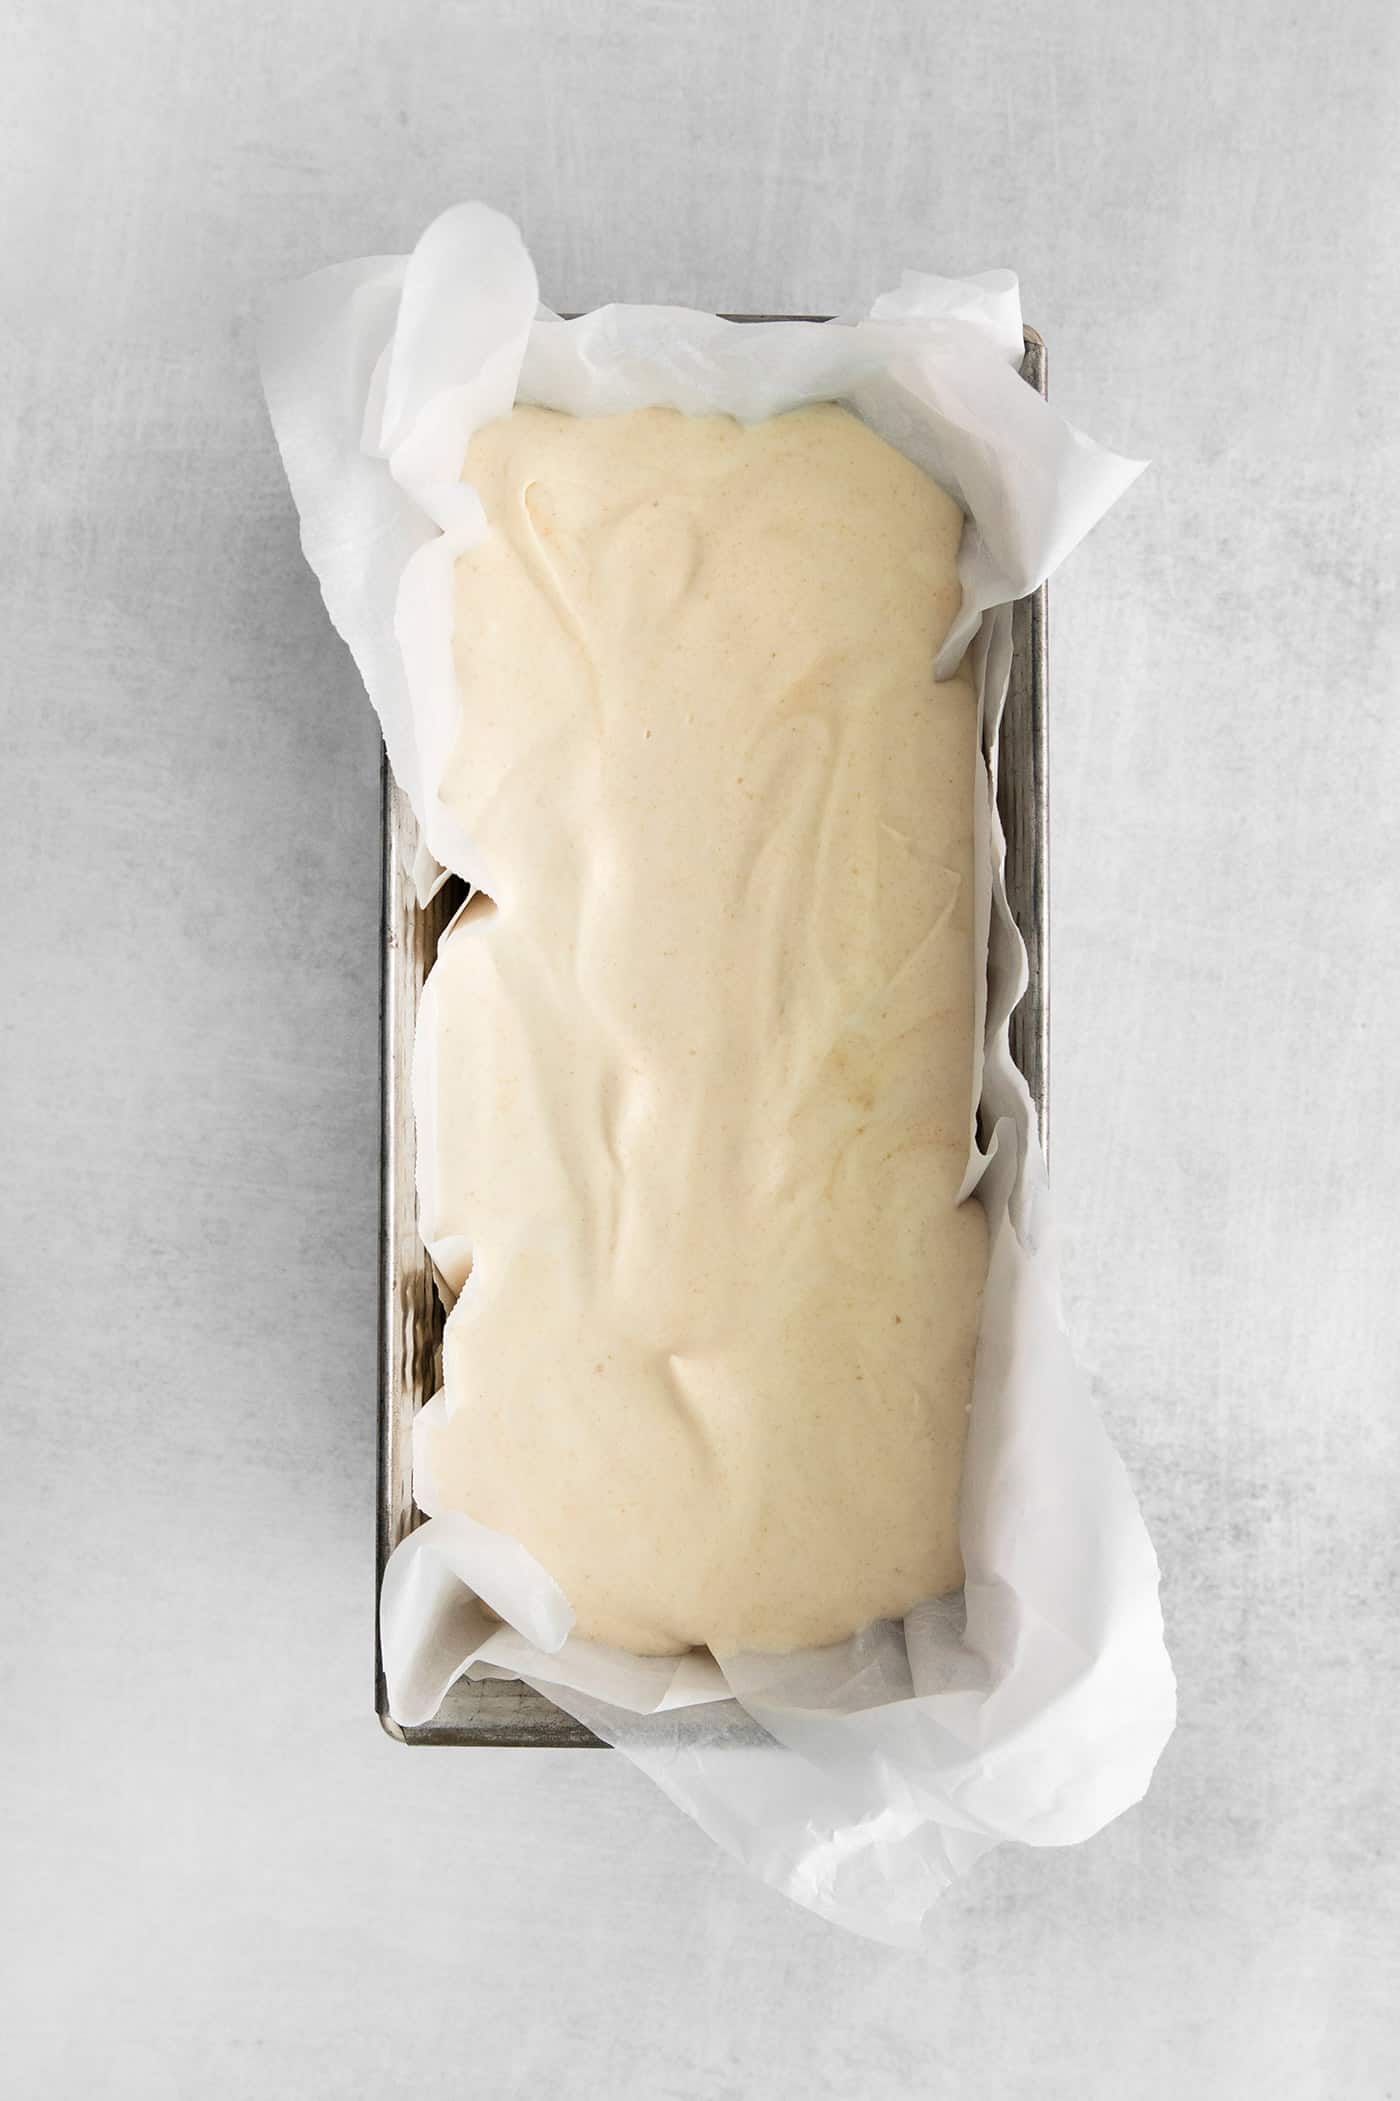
859 1779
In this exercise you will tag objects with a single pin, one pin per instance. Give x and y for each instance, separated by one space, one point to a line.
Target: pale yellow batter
703 1074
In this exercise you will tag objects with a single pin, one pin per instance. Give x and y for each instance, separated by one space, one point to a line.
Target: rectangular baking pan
499 1710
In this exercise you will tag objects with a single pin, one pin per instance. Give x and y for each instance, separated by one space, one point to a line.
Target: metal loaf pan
502 1711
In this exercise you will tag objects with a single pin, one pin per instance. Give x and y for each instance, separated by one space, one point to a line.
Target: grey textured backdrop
226 1881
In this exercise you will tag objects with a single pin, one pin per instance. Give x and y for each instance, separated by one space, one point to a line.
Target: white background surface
225 1881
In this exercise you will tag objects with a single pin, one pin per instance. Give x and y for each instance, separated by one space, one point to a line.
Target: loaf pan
503 1711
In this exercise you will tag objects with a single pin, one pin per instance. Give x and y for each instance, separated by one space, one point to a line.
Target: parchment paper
860 1779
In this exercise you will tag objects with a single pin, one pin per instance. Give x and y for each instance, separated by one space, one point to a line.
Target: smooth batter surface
703 1071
